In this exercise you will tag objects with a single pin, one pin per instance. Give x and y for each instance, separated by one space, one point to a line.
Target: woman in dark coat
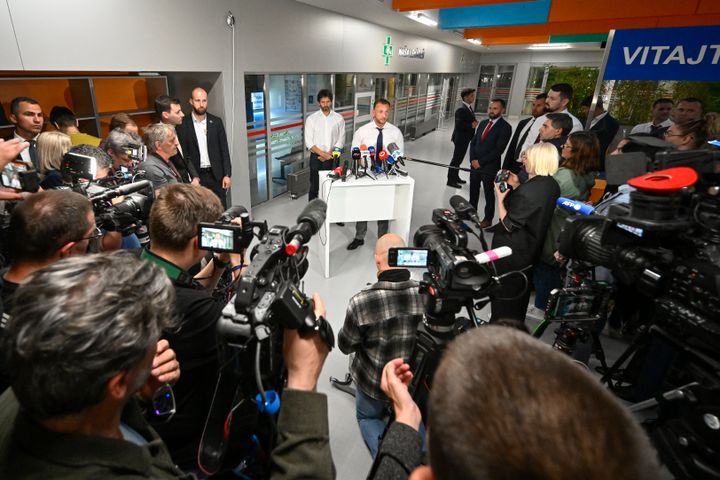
525 214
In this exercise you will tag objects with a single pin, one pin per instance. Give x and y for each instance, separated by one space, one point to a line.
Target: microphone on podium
382 157
344 170
364 154
356 159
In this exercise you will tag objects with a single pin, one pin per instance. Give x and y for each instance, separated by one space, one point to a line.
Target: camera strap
175 273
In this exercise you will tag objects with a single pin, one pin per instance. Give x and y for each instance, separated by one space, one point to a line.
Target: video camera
129 215
268 299
666 243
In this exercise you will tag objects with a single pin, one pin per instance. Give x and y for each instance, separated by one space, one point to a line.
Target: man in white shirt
558 98
204 144
378 133
27 116
324 131
170 112
661 109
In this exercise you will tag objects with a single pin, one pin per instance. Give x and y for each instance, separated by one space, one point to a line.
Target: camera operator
525 214
115 147
524 411
380 324
162 145
174 219
81 342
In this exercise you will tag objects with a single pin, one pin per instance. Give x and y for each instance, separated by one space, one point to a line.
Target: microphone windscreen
314 214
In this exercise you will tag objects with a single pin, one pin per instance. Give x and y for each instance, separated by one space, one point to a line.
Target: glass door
344 84
286 129
255 110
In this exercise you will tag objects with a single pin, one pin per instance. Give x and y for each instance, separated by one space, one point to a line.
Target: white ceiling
380 12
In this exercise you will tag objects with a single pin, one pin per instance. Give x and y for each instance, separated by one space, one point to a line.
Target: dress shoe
355 243
454 185
461 181
485 224
340 224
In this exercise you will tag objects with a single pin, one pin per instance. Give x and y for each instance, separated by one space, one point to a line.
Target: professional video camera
456 277
666 243
128 215
268 299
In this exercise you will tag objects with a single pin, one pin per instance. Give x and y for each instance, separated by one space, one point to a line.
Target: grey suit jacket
158 172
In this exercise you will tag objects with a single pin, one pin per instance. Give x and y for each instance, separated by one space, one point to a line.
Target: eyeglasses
96 234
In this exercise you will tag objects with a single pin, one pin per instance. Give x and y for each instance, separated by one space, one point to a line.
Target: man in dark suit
465 125
512 155
170 112
486 148
204 144
603 124
27 116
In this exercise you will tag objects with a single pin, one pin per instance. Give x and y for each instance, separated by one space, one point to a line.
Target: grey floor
351 271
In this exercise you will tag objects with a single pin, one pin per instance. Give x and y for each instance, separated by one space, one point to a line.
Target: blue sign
678 53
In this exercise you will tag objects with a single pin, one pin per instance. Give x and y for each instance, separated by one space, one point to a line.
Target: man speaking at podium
378 133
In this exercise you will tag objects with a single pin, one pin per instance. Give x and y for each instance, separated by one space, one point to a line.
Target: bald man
204 143
380 325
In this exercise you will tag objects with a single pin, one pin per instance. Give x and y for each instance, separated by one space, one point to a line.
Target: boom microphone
122 190
308 223
575 206
231 213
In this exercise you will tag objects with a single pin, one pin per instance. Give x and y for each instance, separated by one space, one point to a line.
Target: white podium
365 199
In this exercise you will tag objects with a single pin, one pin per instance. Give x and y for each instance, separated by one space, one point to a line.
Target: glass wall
535 85
345 101
286 126
256 137
495 82
315 83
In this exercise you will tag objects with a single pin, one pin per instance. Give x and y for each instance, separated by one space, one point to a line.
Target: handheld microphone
463 209
575 206
356 159
122 190
492 255
308 223
382 156
344 170
364 154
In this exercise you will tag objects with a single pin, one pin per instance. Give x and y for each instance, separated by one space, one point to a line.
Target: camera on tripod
268 299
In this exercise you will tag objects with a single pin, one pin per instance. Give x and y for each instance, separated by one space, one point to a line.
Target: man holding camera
523 410
380 324
175 247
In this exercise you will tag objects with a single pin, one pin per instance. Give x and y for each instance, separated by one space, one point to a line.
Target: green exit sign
387 50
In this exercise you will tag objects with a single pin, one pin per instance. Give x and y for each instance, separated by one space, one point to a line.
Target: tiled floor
351 271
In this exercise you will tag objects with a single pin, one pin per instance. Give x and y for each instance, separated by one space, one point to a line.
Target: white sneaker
534 313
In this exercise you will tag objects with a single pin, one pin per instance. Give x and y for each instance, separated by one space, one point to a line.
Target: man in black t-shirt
174 219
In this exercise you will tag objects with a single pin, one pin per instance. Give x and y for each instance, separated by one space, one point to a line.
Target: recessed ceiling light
422 18
549 46
474 41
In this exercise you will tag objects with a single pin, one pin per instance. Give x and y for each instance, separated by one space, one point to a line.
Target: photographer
76 369
525 213
524 411
576 177
380 324
116 147
174 219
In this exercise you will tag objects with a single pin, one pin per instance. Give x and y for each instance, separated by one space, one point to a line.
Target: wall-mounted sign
387 50
404 51
680 53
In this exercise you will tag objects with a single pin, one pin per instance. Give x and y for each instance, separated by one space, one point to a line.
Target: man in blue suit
486 149
465 125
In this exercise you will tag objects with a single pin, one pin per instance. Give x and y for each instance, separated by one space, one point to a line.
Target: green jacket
575 187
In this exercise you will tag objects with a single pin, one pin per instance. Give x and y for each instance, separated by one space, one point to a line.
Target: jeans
546 278
370 414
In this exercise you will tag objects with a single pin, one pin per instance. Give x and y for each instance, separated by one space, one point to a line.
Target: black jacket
489 151
464 130
218 150
605 129
511 155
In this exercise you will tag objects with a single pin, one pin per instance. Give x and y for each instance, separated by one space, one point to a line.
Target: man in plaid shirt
380 325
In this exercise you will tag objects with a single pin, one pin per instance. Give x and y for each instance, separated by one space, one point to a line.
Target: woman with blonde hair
51 147
525 213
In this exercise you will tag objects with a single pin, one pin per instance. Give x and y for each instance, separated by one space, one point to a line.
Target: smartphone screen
11 174
408 257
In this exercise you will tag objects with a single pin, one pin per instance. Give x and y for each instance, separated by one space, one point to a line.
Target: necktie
521 142
33 152
379 146
485 132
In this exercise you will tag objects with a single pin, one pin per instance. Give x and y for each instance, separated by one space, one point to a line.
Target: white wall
524 60
191 36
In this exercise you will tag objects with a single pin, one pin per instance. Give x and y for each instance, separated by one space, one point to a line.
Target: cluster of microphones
365 161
